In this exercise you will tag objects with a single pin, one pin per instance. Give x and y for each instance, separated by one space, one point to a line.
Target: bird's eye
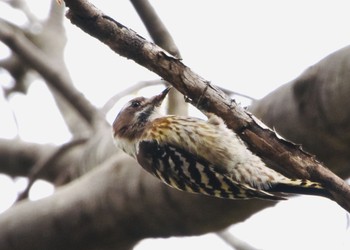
135 104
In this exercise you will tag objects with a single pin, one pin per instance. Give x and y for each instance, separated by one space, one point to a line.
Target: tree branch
34 57
93 214
17 157
234 242
58 165
44 165
112 101
51 40
155 27
162 37
280 155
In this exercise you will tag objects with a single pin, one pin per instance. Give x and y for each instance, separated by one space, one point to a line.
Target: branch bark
161 36
280 155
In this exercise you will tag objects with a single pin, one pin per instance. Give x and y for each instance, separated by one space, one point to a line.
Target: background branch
43 165
49 37
140 85
45 66
94 214
18 157
155 27
315 104
234 242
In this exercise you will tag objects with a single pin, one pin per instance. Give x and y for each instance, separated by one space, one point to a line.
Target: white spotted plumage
216 144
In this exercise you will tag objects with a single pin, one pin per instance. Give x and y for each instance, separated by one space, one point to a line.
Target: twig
233 241
140 85
42 165
12 113
231 92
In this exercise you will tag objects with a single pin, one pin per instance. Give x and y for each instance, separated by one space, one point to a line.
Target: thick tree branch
66 220
45 165
282 156
108 201
54 164
17 157
127 206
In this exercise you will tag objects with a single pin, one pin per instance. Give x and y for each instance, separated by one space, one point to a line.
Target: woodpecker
198 156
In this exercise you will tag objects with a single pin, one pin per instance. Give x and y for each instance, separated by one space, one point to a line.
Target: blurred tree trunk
106 201
312 111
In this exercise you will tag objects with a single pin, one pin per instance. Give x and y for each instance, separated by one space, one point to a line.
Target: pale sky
251 47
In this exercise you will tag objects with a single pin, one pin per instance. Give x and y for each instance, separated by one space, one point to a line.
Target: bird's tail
300 186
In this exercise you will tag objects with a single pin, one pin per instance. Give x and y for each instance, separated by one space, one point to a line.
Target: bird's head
136 114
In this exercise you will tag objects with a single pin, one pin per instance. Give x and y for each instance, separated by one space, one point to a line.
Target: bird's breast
127 146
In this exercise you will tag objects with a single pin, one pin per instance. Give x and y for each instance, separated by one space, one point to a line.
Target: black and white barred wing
187 172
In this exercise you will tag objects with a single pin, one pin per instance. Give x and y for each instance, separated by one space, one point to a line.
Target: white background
251 47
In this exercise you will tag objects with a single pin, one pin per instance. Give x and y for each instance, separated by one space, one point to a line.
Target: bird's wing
188 172
194 135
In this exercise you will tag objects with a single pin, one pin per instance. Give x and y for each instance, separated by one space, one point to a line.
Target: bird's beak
158 99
